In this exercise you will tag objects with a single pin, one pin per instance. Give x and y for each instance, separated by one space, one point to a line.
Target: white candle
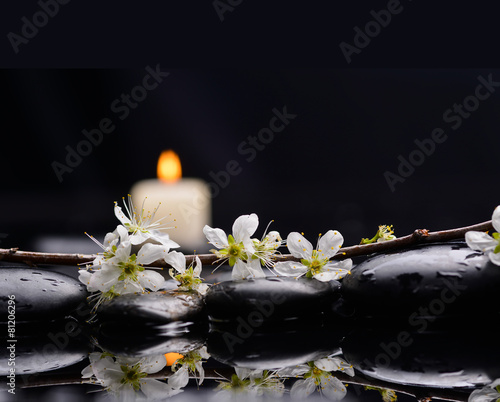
184 202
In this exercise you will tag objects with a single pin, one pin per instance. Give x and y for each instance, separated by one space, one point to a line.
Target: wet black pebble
428 281
270 298
38 294
158 307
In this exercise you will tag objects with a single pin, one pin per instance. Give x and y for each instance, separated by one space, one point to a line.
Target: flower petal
203 352
176 260
150 279
245 226
122 253
485 394
333 388
84 277
216 236
480 241
299 246
290 268
326 276
240 271
326 364
105 278
494 258
139 237
156 390
334 364
495 219
180 378
121 216
153 364
334 270
150 253
197 266
127 286
202 288
301 389
201 372
294 371
255 270
163 238
330 243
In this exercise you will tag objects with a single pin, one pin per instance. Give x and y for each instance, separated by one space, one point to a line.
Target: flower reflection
486 394
126 378
191 362
388 395
317 375
251 383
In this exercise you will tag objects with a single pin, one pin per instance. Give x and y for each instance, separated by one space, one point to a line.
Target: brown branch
32 257
419 236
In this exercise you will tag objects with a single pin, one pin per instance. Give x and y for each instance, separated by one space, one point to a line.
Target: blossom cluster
310 376
140 240
247 255
126 378
136 242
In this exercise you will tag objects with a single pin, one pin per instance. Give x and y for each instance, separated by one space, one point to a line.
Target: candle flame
172 358
169 167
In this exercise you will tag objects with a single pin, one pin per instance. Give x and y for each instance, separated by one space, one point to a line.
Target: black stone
157 307
462 357
132 340
427 281
274 345
41 347
39 294
270 298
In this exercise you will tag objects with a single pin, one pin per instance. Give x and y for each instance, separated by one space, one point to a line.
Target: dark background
325 170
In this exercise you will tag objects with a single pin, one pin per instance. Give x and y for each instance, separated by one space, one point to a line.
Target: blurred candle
186 200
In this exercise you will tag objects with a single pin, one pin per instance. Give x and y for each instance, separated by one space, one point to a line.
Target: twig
419 236
32 257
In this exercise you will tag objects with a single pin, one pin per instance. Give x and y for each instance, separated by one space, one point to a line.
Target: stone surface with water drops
39 294
270 298
158 307
425 282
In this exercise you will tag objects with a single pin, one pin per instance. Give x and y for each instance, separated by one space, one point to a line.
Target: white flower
125 378
190 362
384 233
315 263
122 273
486 243
486 394
266 248
142 225
317 376
237 248
187 279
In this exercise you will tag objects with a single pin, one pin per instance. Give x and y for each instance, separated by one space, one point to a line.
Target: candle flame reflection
172 358
169 167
